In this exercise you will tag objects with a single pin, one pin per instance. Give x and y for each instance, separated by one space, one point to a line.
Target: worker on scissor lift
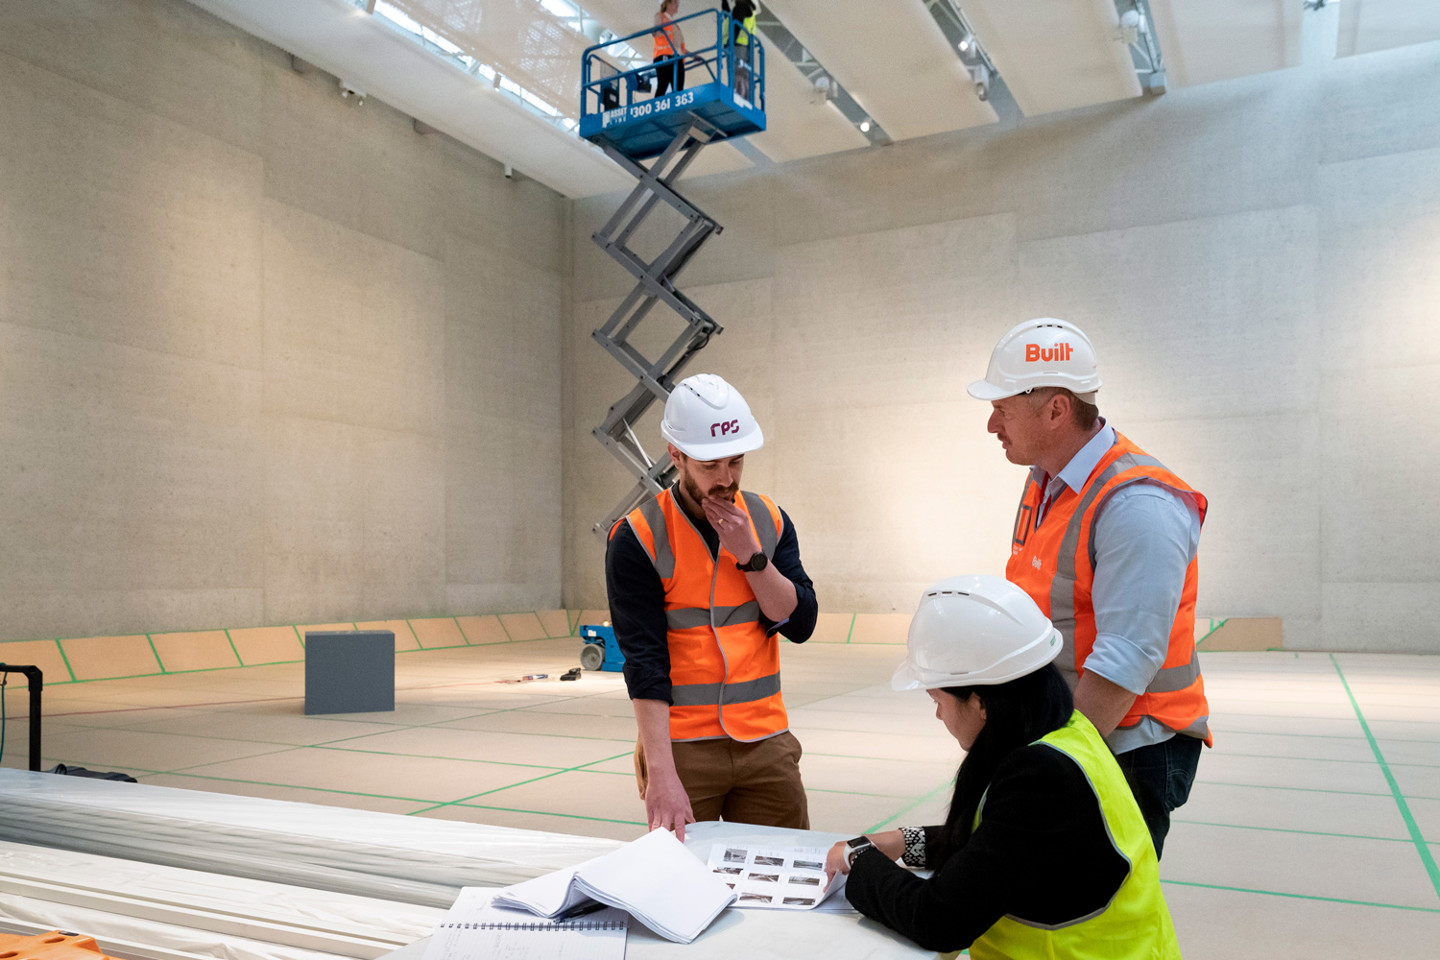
669 46
742 26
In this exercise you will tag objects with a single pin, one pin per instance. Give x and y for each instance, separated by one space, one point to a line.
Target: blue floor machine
600 651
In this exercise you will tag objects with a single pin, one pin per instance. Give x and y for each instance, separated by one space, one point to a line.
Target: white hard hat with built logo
975 630
1040 353
707 419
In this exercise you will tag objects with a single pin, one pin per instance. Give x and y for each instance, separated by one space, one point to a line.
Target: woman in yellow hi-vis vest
1044 853
742 27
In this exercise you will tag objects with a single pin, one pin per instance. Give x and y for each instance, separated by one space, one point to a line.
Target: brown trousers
738 782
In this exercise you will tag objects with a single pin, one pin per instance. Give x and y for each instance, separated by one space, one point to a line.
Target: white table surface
737 934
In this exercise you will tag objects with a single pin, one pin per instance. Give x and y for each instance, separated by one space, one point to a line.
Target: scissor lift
619 116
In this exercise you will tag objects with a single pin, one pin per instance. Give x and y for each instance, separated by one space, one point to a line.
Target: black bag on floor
60 768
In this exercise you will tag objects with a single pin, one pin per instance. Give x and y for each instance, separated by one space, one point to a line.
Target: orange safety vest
724 669
661 34
1055 564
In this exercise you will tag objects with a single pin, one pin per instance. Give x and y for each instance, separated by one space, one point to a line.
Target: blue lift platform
724 92
723 98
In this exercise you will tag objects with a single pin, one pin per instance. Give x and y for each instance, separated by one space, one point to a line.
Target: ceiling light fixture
1132 25
864 126
967 42
980 75
823 89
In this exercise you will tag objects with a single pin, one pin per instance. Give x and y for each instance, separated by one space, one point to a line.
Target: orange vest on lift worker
1061 585
724 668
663 46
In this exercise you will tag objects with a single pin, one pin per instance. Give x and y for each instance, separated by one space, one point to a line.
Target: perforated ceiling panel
339 38
518 37
624 17
1370 25
892 58
799 124
1055 55
1207 40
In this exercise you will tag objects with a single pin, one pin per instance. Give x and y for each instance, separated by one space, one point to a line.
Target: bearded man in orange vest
701 579
1104 542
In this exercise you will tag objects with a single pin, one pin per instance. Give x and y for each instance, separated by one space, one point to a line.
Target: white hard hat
708 419
1040 353
975 630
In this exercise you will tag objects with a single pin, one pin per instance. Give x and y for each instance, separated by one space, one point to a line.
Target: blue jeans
1160 776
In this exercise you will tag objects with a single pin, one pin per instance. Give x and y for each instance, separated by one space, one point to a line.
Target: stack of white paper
655 879
546 896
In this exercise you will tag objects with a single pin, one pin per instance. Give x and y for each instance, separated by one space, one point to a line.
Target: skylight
572 16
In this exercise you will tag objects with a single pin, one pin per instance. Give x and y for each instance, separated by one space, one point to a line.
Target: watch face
853 848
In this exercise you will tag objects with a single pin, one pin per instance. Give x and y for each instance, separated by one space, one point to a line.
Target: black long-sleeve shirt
1042 853
637 604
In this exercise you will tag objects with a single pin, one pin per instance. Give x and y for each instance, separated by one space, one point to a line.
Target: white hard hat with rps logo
1040 353
975 631
707 419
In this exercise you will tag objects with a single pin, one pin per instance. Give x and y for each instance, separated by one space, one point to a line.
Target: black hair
1017 712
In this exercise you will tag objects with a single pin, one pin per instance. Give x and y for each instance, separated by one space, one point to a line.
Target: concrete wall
1256 261
265 356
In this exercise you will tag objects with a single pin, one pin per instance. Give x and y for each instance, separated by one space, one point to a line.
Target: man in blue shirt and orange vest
700 579
1105 542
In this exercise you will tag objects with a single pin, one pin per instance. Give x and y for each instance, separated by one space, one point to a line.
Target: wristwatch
855 847
757 562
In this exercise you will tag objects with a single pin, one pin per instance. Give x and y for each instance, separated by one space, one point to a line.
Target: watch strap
758 561
855 847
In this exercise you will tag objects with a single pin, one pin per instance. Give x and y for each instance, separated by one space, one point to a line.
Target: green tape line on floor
911 806
1297 896
1308 833
531 813
1416 836
296 786
428 756
553 773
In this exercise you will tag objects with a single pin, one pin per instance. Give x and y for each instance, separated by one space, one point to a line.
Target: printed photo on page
776 878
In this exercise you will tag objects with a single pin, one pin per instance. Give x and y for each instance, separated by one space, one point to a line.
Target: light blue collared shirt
1146 536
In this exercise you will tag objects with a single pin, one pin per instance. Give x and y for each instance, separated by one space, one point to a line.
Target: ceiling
890 56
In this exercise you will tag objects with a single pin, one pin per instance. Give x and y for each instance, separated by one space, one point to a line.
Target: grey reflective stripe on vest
682 617
1062 587
1020 510
709 694
1171 679
764 524
1200 729
664 558
713 694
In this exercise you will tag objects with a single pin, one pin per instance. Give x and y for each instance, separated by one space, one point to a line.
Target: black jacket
1042 853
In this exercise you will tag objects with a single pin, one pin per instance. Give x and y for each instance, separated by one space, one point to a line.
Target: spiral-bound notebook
473 929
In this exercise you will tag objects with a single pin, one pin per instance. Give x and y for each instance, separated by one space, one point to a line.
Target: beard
692 490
